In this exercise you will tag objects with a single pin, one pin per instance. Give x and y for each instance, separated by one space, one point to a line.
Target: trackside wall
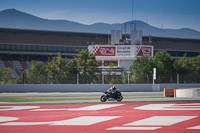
90 87
193 92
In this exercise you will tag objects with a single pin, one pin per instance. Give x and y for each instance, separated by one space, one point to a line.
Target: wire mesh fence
114 79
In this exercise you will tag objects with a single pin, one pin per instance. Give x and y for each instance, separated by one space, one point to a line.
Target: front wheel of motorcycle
119 98
103 98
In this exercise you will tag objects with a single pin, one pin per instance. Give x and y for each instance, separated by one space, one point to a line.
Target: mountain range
12 18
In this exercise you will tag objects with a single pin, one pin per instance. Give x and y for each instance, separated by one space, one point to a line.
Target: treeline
83 69
168 69
56 71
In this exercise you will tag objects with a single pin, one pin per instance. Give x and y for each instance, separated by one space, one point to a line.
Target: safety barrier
169 92
191 92
90 87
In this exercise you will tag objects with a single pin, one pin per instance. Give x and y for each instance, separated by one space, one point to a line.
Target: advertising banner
124 51
121 50
144 50
103 51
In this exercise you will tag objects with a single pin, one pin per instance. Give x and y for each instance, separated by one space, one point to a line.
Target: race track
78 95
158 117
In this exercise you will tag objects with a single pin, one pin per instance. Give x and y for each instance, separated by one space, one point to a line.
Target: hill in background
12 18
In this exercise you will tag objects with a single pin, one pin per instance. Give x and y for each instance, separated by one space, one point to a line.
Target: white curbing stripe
160 120
133 128
85 120
79 121
195 127
4 118
96 107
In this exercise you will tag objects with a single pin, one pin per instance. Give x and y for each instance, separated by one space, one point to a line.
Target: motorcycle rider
112 90
113 93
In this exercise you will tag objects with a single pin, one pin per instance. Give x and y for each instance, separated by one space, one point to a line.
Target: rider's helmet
113 87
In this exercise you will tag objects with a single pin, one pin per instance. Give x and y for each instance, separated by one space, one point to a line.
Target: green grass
142 97
20 99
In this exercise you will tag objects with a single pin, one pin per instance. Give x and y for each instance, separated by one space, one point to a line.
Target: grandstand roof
41 37
21 36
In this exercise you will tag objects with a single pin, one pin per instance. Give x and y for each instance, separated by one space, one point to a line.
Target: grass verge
21 99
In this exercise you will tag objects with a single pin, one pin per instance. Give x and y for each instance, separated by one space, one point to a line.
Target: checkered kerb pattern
95 49
138 49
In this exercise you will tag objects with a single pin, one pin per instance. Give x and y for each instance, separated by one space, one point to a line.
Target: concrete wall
91 87
188 92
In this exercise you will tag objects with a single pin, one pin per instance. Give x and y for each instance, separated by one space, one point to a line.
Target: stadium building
19 47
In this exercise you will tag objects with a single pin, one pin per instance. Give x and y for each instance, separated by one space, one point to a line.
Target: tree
111 77
72 72
124 77
195 62
188 69
6 76
57 70
164 63
183 65
87 65
35 74
141 69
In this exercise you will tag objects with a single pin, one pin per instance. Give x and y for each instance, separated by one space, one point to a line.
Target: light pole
154 75
128 72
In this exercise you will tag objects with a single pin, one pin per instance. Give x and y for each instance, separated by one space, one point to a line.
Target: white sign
154 73
121 50
124 51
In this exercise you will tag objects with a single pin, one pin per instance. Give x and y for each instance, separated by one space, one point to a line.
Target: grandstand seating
8 64
18 67
28 63
2 65
14 74
24 65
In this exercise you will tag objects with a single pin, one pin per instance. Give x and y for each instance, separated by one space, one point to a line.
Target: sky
168 14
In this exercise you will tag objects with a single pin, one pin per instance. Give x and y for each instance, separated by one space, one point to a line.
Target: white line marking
195 127
47 109
97 107
25 123
3 102
8 108
79 121
4 119
190 104
85 120
161 120
186 107
133 128
169 107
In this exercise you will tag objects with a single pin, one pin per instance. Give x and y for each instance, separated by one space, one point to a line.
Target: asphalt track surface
79 95
128 97
138 117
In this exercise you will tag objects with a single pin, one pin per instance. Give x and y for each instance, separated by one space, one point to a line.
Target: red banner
104 51
144 51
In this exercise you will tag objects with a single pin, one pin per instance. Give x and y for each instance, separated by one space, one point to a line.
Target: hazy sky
171 14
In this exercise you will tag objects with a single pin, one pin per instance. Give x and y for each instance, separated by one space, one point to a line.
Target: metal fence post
177 78
128 77
154 75
77 78
102 78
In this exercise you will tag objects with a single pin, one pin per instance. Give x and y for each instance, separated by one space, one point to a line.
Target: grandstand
18 47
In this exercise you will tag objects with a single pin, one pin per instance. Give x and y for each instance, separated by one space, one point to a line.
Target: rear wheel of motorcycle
119 98
103 98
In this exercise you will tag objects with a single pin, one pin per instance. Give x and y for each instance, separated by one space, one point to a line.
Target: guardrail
90 87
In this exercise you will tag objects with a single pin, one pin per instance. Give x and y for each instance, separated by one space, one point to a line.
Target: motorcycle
107 96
